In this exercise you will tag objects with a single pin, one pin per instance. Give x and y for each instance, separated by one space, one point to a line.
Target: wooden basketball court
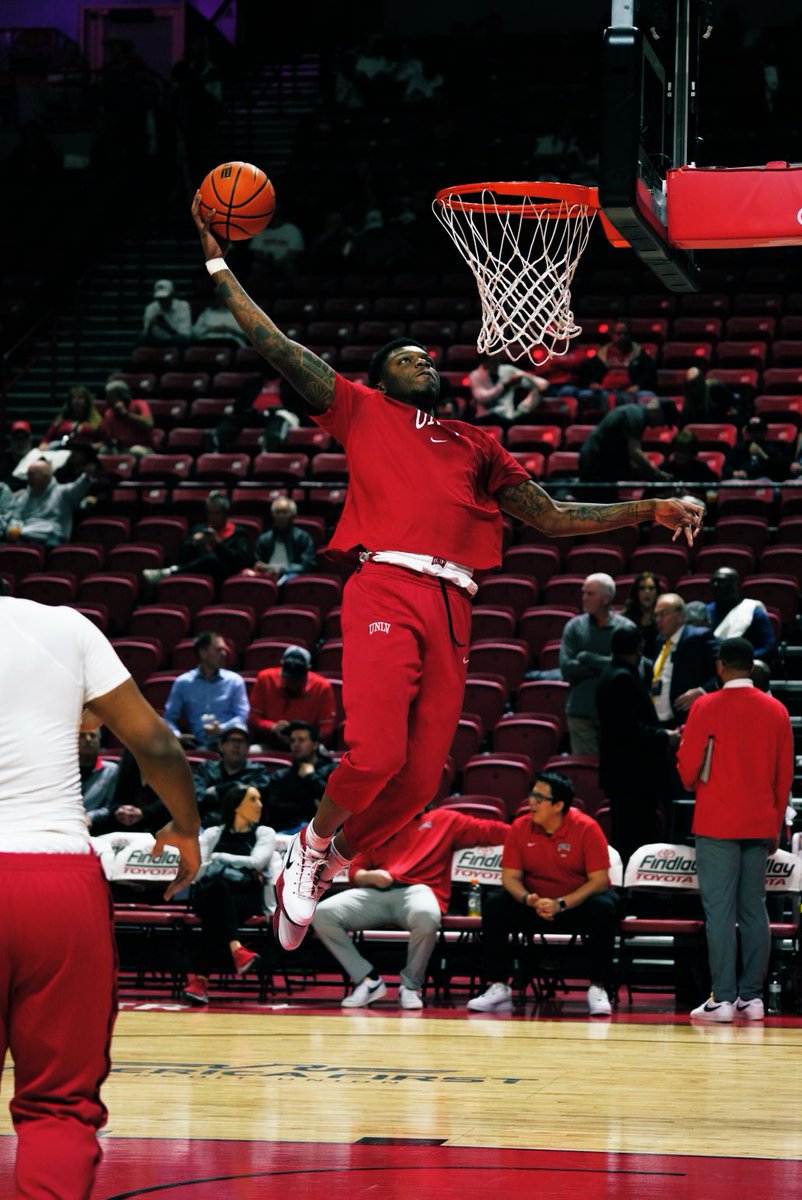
242 1100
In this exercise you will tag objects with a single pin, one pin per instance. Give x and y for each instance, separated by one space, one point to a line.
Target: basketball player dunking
422 512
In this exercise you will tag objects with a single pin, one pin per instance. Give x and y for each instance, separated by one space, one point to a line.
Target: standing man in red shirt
422 512
737 750
555 876
405 882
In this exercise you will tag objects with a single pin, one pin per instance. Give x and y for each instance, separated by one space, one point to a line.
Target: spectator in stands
709 401
639 609
79 417
212 778
284 551
42 512
737 751
696 614
504 391
277 249
685 664
614 450
584 653
215 324
219 547
555 876
20 444
294 792
208 699
167 321
378 245
446 409
405 883
98 778
754 457
730 616
134 806
683 464
761 675
127 424
6 508
633 747
230 887
621 366
288 693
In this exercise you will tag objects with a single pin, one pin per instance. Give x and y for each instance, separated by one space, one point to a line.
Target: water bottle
475 899
775 995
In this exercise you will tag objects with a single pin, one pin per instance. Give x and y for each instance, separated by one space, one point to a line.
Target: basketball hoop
522 242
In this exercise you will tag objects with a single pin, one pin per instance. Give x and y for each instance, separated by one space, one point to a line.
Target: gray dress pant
414 908
732 881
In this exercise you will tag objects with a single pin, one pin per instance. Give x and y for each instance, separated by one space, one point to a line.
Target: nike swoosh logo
466 660
438 439
375 987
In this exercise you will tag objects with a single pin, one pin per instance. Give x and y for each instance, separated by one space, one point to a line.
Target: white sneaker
407 998
365 993
723 1012
299 886
750 1010
598 1002
497 997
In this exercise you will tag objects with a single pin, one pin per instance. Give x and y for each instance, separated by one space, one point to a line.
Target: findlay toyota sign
671 866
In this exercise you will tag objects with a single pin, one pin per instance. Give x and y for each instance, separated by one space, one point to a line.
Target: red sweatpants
57 1008
403 684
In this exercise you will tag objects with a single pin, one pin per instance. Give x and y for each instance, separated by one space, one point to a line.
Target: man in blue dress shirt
209 698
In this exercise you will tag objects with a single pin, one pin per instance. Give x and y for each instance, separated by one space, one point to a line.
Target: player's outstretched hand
683 516
211 247
188 849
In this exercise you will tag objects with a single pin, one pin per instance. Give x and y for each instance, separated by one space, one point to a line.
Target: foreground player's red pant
403 684
57 1008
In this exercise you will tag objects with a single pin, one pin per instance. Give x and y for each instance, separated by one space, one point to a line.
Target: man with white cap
167 321
288 693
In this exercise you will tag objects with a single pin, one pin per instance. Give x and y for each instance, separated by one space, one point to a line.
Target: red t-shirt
121 433
558 863
270 702
415 483
421 851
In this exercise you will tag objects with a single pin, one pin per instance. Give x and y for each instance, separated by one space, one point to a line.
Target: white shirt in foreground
53 662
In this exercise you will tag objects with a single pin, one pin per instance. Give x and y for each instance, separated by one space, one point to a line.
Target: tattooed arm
558 518
311 377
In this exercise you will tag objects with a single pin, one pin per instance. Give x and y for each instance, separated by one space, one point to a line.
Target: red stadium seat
467 739
157 687
586 560
331 467
154 358
686 354
492 622
562 464
495 657
751 329
168 532
251 591
167 623
117 466
507 590
563 591
670 562
228 468
48 588
264 652
106 532
534 437
492 809
538 562
782 560
775 592
168 413
712 558
170 468
134 558
714 437
320 591
228 383
695 587
207 358
208 411
191 590
784 380
741 354
118 592
183 385
486 699
236 625
141 658
745 501
300 626
543 696
280 468
526 735
308 441
78 561
540 625
583 771
497 775
706 329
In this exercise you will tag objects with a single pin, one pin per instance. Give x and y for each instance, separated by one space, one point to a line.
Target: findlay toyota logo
378 627
667 866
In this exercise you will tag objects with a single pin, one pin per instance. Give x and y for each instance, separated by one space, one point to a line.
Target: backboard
649 112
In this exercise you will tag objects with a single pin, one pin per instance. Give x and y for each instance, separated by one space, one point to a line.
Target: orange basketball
243 197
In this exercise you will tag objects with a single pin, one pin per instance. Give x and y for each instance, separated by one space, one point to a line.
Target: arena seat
521 734
547 697
492 621
513 590
191 590
467 739
563 591
168 623
141 658
134 557
227 468
751 329
235 624
507 657
104 531
75 560
583 771
264 652
297 625
586 560
537 562
167 531
18 561
169 468
183 385
486 699
490 809
48 588
280 468
500 776
540 625
209 358
321 591
713 558
775 592
670 562
117 591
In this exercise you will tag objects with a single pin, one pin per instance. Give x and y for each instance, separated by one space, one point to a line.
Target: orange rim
558 198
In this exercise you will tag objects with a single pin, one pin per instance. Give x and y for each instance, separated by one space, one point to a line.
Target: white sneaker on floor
365 993
497 997
299 886
598 1002
408 998
723 1011
750 1010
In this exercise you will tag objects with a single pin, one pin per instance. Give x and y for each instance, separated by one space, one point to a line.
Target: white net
523 257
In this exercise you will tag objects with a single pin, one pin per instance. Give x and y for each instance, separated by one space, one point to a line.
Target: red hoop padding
568 194
725 208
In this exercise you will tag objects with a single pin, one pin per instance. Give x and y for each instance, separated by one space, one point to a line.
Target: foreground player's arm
163 765
559 518
311 377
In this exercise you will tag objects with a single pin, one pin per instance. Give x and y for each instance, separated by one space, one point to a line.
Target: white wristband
213 265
